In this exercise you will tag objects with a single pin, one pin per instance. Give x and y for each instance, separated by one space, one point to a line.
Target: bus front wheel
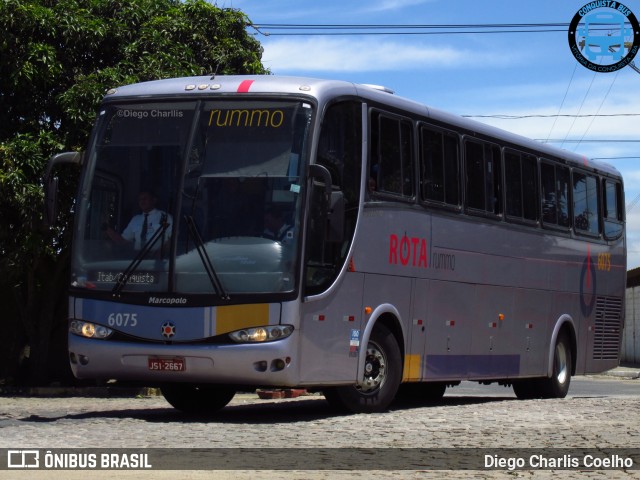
382 375
197 399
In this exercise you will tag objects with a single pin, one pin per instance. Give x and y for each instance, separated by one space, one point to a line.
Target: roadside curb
628 373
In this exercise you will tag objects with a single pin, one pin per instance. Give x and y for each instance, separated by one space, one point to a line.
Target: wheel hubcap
561 364
375 368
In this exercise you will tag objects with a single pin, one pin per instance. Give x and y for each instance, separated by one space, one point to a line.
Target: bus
415 249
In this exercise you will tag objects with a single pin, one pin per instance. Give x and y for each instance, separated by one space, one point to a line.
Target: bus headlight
89 330
267 333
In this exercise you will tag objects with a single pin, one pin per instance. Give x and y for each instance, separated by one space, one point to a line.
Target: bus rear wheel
555 386
197 399
382 375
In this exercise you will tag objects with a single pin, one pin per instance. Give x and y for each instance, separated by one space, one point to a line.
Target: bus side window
585 203
554 180
483 180
613 214
439 166
521 182
563 192
394 153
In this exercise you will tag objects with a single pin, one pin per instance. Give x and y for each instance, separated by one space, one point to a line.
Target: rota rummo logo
604 36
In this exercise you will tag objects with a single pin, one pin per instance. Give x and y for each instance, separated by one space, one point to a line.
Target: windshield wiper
204 258
135 263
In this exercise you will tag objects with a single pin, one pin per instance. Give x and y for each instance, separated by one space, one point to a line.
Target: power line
560 140
404 29
599 108
398 26
584 99
519 117
273 34
575 67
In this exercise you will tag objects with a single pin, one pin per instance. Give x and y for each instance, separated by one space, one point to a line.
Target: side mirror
51 184
320 172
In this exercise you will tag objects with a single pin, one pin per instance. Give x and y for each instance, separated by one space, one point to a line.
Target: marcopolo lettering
168 300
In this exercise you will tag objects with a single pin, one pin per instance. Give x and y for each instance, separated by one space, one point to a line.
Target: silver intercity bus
238 232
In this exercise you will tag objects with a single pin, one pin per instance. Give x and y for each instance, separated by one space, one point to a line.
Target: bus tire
557 385
382 376
527 388
197 399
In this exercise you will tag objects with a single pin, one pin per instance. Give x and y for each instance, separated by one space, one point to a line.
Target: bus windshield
193 197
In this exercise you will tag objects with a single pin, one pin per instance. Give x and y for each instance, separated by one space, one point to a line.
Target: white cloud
389 5
369 55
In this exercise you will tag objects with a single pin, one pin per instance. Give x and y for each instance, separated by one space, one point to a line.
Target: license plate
173 364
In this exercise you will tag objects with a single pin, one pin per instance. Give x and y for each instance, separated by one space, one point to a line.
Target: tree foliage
57 58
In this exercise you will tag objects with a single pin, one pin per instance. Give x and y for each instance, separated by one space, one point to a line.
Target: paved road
608 417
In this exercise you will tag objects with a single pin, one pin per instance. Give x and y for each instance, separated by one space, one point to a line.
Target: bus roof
326 89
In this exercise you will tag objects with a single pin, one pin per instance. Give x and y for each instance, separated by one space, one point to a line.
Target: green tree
57 58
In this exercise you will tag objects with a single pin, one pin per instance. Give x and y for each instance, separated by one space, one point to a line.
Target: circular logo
168 329
604 36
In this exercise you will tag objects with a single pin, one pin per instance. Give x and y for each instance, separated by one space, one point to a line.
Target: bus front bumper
258 364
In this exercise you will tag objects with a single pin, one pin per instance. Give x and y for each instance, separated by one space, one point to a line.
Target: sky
532 74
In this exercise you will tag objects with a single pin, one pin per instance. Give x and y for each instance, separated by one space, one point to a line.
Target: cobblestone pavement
456 422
